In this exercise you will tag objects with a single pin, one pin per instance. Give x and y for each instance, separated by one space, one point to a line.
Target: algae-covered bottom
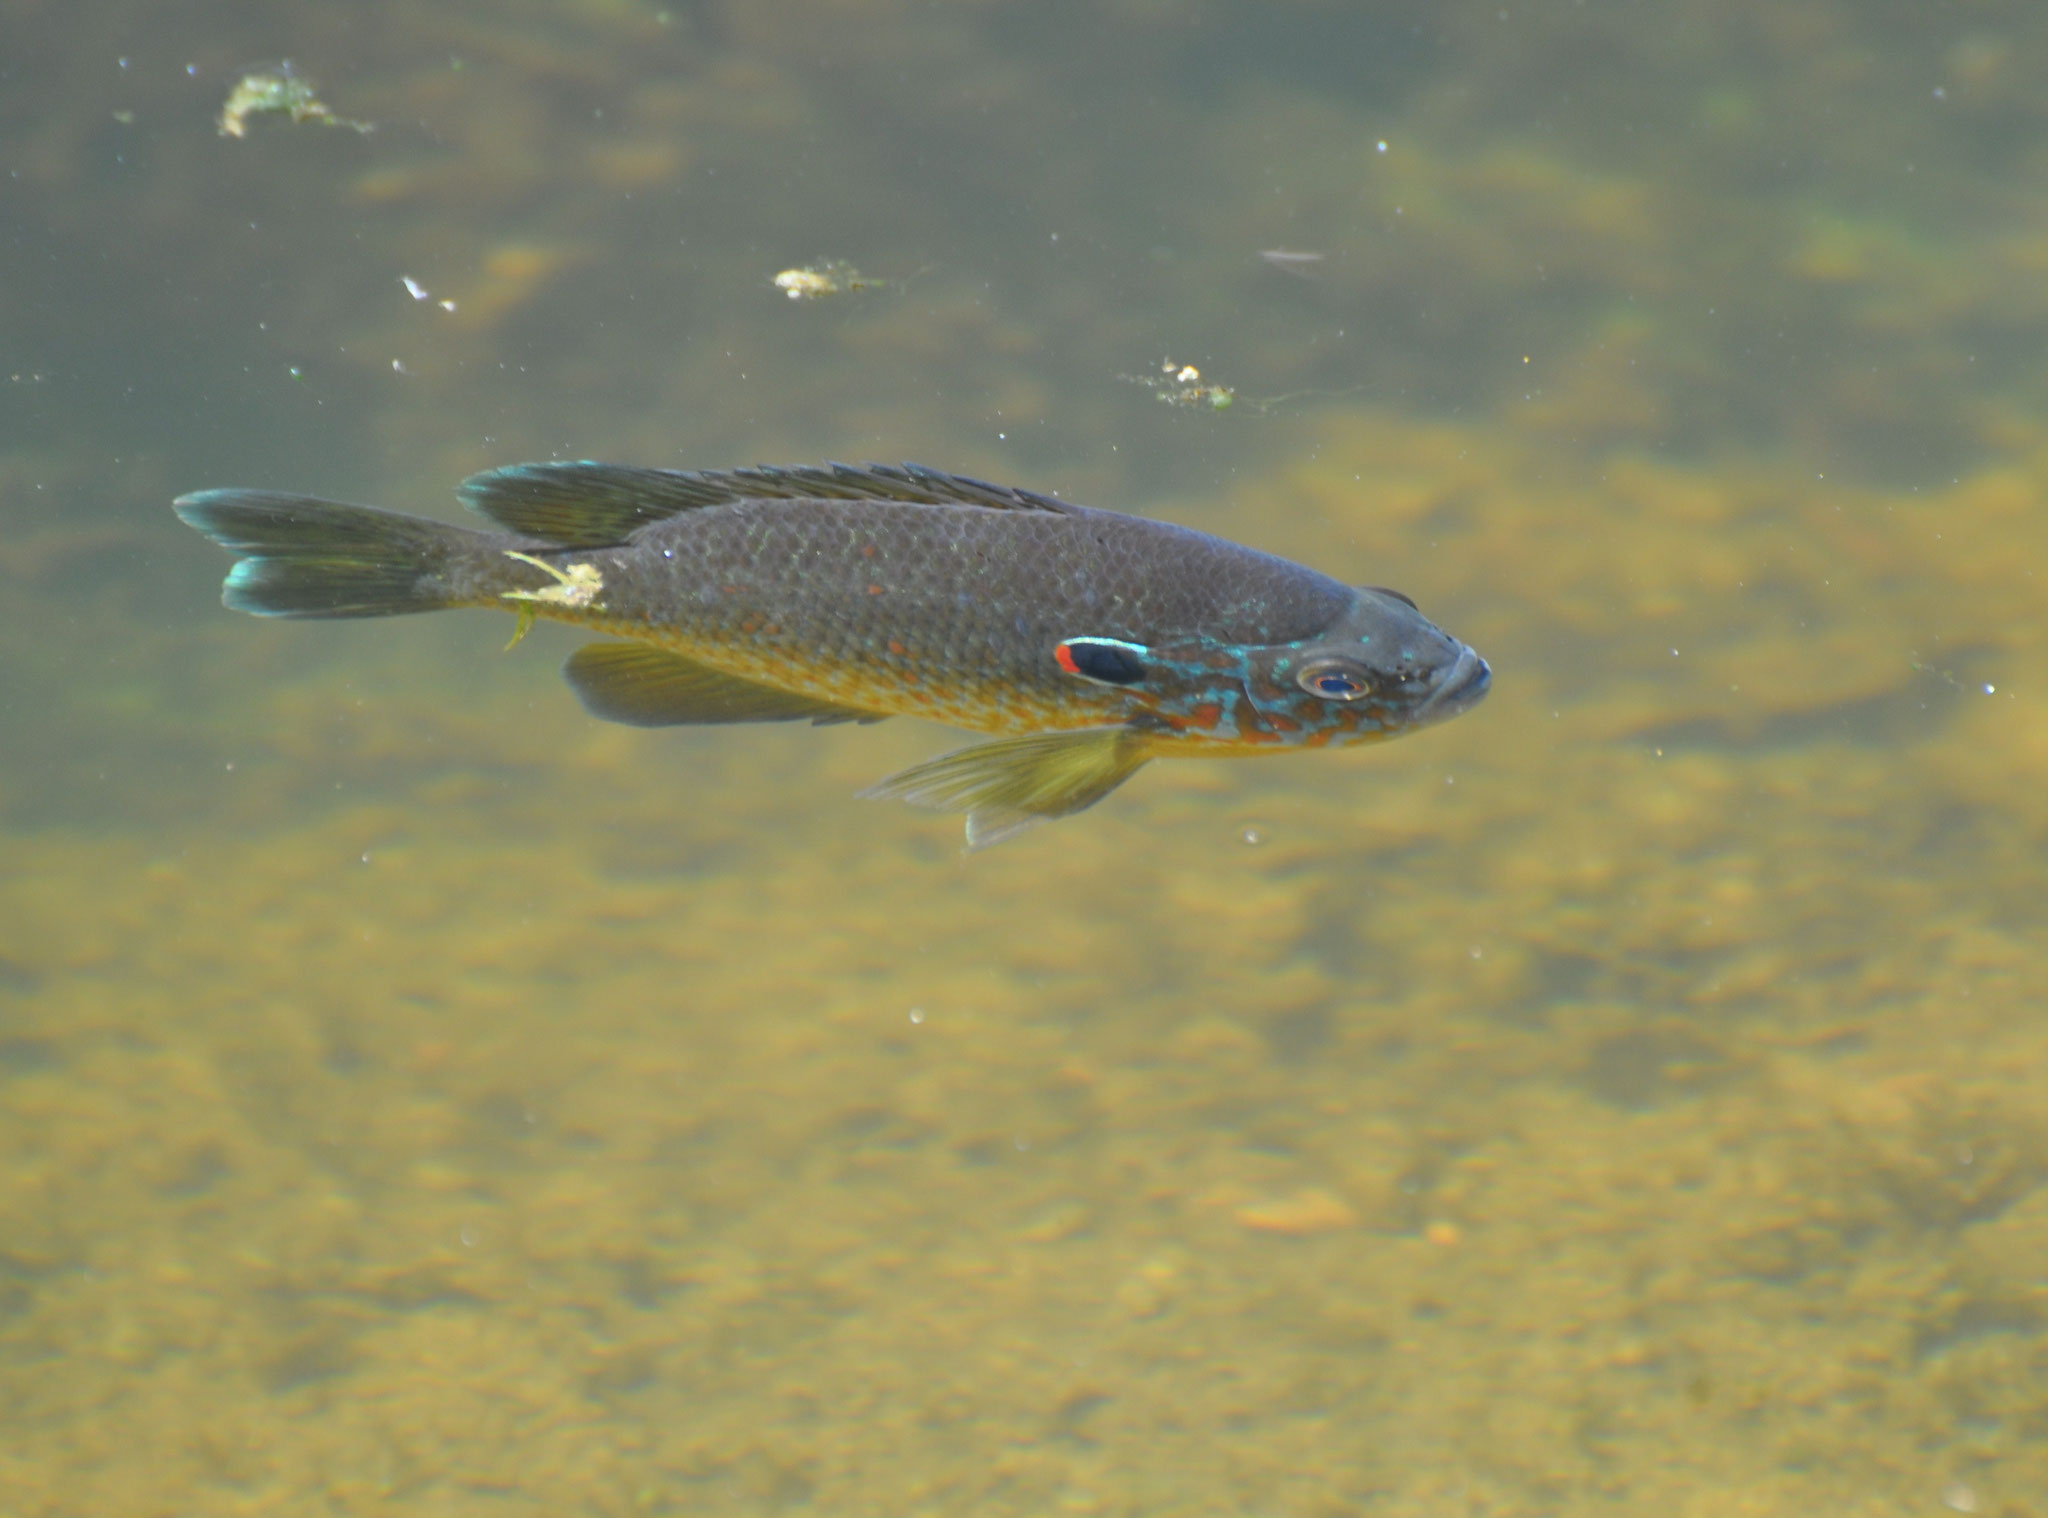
1625 1099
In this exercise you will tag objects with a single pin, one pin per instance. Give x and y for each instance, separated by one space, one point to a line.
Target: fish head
1380 669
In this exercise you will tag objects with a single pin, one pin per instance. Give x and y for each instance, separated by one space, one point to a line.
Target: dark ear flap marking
1106 661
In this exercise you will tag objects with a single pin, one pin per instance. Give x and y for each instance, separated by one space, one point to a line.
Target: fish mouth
1462 687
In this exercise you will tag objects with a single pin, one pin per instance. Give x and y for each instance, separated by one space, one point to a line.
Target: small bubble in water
1990 689
1960 1498
917 1014
1252 835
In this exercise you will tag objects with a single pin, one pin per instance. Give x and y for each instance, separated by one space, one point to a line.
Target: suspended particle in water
1298 262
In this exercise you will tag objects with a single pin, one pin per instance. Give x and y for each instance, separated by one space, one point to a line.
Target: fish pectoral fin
1009 785
644 686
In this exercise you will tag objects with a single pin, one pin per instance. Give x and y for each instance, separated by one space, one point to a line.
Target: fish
1087 642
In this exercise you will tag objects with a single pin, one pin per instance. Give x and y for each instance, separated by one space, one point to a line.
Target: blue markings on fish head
1380 669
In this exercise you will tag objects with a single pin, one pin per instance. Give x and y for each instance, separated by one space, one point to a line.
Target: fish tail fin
1015 783
304 557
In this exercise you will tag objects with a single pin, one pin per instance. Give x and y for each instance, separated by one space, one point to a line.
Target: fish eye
1334 682
1382 590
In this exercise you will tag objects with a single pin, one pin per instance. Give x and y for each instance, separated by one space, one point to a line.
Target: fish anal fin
1013 783
644 686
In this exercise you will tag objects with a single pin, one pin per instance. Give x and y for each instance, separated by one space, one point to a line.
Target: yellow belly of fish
894 686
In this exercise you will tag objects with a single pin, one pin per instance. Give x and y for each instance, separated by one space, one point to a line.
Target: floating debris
827 277
281 91
1183 385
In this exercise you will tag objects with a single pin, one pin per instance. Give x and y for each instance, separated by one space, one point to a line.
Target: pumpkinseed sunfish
1089 640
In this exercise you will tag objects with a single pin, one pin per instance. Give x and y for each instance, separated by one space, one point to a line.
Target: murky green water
418 1098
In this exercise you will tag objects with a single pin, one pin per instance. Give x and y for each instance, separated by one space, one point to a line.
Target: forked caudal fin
305 557
1009 785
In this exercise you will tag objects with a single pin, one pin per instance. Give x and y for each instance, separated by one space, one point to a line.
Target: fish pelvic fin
644 686
1015 783
305 557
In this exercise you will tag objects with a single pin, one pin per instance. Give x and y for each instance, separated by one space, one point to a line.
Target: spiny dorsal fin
1007 786
589 505
644 686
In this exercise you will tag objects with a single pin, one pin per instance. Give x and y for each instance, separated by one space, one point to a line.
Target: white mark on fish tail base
575 585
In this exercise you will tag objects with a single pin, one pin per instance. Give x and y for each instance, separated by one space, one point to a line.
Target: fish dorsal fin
587 505
1009 785
644 686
